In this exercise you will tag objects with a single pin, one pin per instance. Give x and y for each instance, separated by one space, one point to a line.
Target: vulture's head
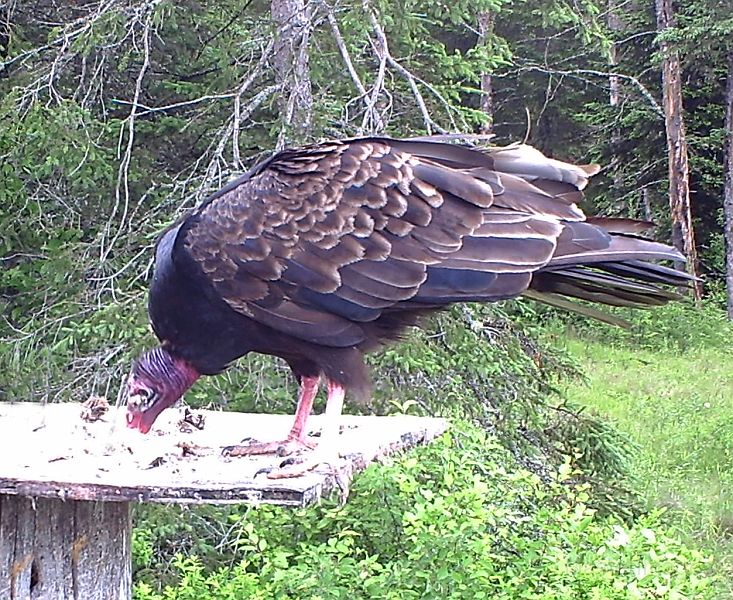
157 380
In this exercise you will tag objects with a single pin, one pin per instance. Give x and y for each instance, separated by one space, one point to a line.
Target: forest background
118 116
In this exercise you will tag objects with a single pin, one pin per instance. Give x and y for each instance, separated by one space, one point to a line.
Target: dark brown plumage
322 253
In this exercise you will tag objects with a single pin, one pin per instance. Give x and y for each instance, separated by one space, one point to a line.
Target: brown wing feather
318 241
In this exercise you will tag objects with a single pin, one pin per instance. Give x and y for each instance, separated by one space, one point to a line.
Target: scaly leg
297 439
332 417
327 450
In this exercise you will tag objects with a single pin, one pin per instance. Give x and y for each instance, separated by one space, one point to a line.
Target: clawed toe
256 448
287 466
295 466
273 469
278 448
235 450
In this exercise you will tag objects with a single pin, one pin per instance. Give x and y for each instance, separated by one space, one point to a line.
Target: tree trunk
728 190
683 234
614 95
292 68
485 30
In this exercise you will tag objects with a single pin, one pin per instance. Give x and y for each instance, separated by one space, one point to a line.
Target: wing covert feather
317 241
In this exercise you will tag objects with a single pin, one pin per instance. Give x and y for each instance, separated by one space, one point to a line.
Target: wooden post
52 549
66 485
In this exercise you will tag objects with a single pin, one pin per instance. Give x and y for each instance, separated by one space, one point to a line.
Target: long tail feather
633 283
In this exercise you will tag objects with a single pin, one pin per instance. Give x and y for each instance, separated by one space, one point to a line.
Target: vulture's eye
143 397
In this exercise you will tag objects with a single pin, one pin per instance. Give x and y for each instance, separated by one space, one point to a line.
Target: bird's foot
286 447
294 466
340 470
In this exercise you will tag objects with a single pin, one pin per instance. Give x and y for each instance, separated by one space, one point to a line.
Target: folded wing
320 241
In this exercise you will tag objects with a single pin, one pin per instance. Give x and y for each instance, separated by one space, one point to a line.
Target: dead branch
215 169
237 117
381 48
146 110
377 88
595 73
343 50
122 189
372 119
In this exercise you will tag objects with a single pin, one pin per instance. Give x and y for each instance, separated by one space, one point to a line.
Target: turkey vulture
323 253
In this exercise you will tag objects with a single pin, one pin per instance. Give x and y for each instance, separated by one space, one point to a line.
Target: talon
283 450
291 445
295 466
232 450
262 471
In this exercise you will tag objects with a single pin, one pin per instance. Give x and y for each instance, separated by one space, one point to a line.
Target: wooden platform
49 451
66 485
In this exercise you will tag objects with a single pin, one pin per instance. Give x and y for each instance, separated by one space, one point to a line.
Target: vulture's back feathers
330 243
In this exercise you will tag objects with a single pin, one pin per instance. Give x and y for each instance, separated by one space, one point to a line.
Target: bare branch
343 50
214 170
372 120
237 117
381 47
122 190
595 73
377 90
146 110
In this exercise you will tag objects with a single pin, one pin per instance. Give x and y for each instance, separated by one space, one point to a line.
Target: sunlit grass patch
677 406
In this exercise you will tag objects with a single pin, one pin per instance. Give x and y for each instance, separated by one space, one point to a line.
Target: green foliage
79 215
676 406
474 363
473 359
460 517
457 519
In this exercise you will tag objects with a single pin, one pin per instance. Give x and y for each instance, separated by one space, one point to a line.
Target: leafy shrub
457 519
475 363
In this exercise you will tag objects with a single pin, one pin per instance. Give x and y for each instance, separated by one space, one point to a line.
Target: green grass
678 407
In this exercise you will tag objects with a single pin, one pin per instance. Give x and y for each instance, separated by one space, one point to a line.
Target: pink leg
297 438
332 414
327 451
308 391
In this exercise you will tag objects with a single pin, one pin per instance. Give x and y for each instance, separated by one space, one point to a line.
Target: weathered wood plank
66 485
48 451
52 549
